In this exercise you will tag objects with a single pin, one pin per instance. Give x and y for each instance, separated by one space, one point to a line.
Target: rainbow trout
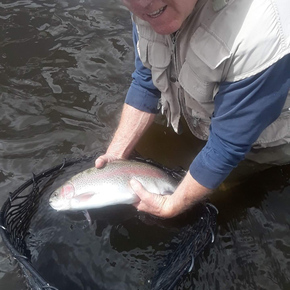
95 188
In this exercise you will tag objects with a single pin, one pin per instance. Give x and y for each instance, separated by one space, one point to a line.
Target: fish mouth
157 13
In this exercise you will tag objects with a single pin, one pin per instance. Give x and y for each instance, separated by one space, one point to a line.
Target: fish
109 185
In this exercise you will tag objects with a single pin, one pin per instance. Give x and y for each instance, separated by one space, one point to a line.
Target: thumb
100 162
138 188
149 202
145 196
142 193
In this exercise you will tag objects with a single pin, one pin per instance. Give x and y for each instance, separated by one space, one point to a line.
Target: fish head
61 198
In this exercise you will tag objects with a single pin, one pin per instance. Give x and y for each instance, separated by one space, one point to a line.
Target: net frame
19 208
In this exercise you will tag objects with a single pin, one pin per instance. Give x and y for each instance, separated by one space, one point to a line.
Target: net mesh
18 210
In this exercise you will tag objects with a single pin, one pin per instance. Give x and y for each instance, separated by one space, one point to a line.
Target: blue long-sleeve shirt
242 111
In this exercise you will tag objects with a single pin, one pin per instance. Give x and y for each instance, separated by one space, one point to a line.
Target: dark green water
65 67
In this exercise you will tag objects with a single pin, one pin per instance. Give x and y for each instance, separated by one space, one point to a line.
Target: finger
140 190
100 162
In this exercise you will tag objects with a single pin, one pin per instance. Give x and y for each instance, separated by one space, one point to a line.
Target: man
224 65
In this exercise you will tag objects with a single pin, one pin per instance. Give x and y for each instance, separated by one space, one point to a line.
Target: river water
65 67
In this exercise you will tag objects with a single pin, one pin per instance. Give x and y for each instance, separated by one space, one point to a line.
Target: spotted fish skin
96 188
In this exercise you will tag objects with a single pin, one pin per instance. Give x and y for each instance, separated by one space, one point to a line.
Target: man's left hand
155 204
188 193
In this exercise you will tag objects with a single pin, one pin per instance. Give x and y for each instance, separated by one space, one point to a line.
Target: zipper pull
173 40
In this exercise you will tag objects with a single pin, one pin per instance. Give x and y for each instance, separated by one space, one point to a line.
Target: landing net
22 204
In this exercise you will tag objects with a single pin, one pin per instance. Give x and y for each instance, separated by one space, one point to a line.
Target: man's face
165 16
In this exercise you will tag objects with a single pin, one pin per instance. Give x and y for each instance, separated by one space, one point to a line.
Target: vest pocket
142 47
209 48
197 88
158 55
204 65
159 59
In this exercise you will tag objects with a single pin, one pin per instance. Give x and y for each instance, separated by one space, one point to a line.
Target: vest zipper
174 58
174 78
174 37
192 121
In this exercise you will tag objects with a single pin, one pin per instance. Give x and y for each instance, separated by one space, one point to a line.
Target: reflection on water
65 67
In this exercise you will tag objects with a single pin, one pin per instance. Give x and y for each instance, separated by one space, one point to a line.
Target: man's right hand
132 125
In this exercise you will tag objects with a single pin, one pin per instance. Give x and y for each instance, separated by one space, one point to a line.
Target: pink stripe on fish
132 172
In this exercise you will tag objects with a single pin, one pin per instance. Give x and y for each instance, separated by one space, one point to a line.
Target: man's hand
132 126
188 193
156 204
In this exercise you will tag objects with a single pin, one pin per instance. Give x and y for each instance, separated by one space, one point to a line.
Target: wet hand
155 204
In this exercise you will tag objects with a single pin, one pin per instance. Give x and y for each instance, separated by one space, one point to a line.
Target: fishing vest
221 41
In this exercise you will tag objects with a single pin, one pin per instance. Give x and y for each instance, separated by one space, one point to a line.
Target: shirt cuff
143 99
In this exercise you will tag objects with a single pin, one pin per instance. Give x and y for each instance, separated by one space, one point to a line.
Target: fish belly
104 195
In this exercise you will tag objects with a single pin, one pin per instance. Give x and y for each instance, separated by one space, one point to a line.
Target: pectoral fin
84 197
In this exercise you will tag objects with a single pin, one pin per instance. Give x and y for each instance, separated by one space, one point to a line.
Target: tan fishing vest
222 40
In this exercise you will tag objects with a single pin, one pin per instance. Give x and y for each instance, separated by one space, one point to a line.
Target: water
65 67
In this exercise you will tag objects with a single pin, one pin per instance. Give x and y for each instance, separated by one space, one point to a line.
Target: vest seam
281 34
